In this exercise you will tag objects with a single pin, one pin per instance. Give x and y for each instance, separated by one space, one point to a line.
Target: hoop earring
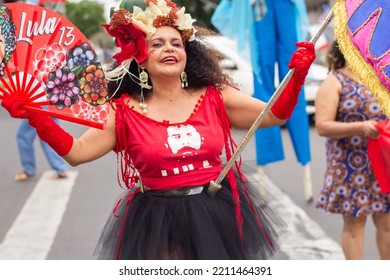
183 79
143 78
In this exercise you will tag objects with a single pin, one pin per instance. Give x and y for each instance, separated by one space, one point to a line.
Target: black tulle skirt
199 226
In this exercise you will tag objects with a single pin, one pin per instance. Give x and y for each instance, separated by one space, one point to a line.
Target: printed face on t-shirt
183 136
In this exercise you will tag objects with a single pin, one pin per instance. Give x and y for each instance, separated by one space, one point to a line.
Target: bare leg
352 237
382 224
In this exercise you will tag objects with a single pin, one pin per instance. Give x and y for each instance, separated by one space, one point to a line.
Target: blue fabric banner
272 40
276 35
235 20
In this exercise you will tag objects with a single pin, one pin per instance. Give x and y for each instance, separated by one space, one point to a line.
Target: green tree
87 15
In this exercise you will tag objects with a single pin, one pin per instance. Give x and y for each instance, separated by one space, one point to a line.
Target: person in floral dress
347 113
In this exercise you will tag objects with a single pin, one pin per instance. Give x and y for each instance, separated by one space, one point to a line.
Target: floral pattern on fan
47 59
82 76
48 62
89 112
80 57
62 88
93 85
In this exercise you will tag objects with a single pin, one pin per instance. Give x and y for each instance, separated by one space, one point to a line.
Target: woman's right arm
93 144
327 103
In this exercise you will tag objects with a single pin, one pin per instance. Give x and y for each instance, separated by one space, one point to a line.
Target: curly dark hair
202 69
335 58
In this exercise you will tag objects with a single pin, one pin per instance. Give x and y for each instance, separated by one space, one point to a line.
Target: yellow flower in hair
161 9
144 20
131 30
184 21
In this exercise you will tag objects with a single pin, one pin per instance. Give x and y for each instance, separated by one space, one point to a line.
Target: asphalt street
44 218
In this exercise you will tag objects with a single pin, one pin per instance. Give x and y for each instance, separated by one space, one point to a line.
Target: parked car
241 71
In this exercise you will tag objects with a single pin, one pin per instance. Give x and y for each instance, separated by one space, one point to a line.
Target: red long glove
47 129
13 104
301 60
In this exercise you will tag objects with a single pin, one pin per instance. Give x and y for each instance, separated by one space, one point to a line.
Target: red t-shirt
178 155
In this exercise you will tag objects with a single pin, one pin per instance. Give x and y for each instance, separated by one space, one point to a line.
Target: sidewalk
303 239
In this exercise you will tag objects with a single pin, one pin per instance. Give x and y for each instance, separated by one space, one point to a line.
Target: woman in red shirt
170 119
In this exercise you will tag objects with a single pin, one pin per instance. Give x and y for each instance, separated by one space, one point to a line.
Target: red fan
47 60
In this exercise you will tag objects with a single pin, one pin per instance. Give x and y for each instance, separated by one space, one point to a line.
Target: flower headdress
131 30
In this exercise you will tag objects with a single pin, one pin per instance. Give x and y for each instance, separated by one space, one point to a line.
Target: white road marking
304 238
33 231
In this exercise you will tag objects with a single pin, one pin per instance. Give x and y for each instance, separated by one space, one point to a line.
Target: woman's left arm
243 110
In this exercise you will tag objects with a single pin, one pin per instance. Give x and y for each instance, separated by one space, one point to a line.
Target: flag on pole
362 31
235 20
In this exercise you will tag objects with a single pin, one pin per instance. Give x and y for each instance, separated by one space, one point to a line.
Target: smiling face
166 53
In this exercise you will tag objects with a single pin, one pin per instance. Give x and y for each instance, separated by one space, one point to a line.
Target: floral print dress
350 187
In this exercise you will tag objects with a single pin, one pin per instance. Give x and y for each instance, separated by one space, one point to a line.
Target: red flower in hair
130 39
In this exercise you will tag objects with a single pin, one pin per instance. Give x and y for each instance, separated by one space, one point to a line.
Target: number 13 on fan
45 26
